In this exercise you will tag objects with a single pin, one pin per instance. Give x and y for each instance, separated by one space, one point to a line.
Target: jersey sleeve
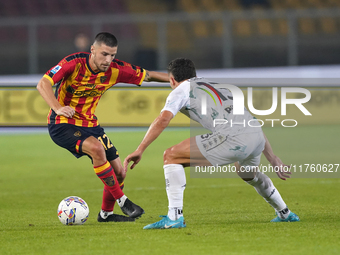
176 100
130 73
61 71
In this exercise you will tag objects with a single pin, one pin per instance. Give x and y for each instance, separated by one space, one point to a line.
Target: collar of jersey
88 64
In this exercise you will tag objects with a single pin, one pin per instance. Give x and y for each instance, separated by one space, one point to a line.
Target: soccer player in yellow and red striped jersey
81 79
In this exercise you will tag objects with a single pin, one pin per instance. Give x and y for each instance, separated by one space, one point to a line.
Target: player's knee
120 174
169 156
96 150
246 176
121 178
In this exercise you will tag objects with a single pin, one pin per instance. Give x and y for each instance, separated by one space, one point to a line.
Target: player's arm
156 76
45 89
155 129
275 161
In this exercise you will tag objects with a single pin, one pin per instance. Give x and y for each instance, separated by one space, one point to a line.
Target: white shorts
220 149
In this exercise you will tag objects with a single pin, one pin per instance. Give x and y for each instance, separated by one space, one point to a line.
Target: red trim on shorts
78 146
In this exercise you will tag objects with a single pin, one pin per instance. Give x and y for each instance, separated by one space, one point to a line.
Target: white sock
175 182
265 187
121 200
105 214
175 213
283 214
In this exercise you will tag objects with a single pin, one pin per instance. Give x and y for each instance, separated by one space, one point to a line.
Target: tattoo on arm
110 181
147 76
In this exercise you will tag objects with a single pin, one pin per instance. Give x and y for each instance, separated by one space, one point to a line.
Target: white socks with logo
175 182
265 187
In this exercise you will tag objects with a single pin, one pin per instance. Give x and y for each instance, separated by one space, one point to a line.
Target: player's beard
104 68
101 67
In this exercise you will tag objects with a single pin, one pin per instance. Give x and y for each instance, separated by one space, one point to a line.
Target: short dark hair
106 38
182 69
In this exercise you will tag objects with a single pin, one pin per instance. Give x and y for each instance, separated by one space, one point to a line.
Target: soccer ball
73 211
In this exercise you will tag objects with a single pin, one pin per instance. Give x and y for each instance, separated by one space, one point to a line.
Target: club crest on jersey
103 79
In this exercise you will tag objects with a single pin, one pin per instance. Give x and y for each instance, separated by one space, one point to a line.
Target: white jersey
212 108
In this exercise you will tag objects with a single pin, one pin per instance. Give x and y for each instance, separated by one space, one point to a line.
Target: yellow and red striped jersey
79 87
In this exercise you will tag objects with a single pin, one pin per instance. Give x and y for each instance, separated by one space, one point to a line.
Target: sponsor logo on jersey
90 85
86 93
89 93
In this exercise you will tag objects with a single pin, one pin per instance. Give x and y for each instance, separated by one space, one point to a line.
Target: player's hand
281 169
135 157
65 111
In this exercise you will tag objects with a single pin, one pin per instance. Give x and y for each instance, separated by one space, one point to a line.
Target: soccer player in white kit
241 144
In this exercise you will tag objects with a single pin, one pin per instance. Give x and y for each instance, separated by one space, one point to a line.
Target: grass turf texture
223 216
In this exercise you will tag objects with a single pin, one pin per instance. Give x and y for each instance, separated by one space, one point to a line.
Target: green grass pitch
223 215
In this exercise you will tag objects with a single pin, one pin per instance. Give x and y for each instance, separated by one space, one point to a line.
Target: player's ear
172 81
92 48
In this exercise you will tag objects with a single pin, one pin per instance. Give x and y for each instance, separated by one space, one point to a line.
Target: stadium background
214 33
259 43
223 37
